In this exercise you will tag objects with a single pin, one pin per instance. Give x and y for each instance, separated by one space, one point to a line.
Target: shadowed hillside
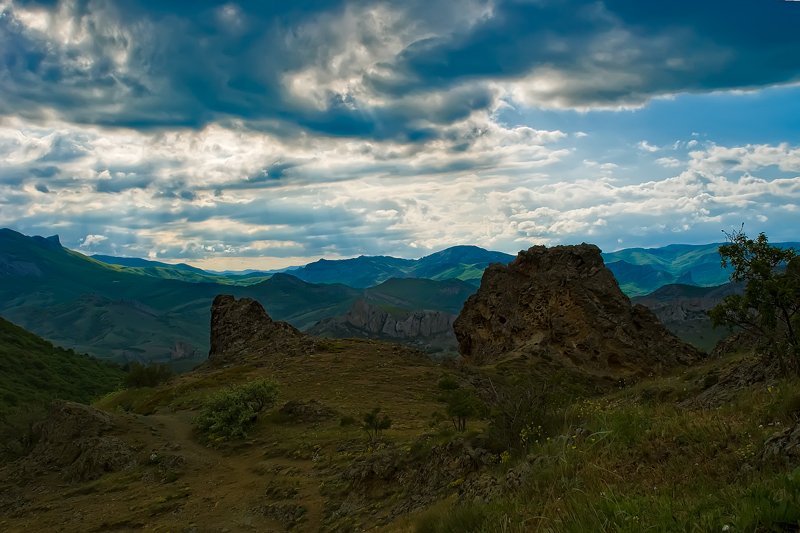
33 371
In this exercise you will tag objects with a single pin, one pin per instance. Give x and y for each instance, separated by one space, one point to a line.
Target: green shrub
231 412
346 420
151 375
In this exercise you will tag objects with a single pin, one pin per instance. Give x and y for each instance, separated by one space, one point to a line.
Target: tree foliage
374 424
771 299
140 375
232 411
462 403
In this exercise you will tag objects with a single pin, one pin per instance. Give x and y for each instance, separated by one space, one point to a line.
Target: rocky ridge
420 329
561 306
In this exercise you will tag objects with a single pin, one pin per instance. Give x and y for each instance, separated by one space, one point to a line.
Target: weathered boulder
181 350
242 331
562 305
420 329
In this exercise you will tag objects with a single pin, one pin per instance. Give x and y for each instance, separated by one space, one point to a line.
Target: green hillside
124 314
33 371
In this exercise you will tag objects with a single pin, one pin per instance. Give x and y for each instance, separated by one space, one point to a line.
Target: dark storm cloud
177 64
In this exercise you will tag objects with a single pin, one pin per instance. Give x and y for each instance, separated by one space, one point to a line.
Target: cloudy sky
259 134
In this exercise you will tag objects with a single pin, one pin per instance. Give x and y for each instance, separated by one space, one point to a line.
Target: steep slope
33 371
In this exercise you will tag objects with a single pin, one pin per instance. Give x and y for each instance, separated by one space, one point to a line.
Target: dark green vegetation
140 375
34 372
462 403
231 412
771 300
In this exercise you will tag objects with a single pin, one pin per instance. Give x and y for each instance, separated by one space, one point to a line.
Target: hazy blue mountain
683 263
466 263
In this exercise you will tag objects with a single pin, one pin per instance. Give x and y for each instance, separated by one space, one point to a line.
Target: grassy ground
632 460
624 463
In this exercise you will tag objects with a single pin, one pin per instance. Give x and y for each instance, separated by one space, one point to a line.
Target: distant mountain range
643 270
639 271
149 313
146 310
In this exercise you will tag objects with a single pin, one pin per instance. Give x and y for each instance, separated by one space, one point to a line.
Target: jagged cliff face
563 305
420 328
242 331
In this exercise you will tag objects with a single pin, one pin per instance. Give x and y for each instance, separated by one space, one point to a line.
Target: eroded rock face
242 331
562 304
417 328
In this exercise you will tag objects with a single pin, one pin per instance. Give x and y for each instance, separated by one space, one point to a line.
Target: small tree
771 296
374 424
462 404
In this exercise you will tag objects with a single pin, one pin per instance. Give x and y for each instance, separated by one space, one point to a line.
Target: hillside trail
228 487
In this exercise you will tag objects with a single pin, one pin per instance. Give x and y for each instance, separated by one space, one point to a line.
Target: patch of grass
329 346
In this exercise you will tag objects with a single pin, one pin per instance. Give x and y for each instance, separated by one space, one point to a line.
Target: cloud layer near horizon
334 129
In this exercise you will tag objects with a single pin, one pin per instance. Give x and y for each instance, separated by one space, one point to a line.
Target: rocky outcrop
74 441
562 305
181 350
241 331
420 329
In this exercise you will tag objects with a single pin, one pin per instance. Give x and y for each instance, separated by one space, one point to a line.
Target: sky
260 134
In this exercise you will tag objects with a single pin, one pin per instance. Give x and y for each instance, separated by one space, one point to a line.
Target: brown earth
290 473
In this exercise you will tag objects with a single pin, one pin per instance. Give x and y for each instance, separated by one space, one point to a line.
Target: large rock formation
420 329
241 331
561 305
